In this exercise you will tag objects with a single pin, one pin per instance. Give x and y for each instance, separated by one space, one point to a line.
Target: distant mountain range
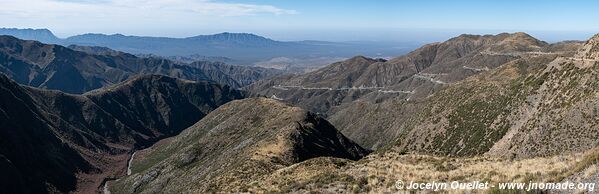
242 48
42 35
86 68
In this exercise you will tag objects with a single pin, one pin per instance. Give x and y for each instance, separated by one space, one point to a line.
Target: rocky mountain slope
532 119
238 142
320 90
55 67
58 142
233 75
356 94
415 75
34 158
526 108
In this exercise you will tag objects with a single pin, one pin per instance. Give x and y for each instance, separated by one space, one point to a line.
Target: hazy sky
338 20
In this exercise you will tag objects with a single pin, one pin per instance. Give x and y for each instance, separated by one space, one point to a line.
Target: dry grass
586 164
378 172
421 168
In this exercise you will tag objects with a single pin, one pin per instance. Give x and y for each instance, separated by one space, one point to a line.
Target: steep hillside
62 142
233 75
159 102
590 50
236 143
415 75
33 157
321 89
376 125
526 108
521 110
56 67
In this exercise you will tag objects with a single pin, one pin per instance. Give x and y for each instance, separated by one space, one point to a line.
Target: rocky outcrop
234 144
590 50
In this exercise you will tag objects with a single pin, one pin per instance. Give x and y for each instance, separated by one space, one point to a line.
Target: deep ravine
106 183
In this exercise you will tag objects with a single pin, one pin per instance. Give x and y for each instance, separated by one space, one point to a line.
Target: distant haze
334 20
232 48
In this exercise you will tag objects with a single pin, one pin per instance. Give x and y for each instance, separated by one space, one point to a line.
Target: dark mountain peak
9 39
4 80
19 51
590 49
37 158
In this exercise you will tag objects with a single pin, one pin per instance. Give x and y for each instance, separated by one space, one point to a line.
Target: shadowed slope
64 142
234 144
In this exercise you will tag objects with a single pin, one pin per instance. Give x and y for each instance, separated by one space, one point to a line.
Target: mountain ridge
84 139
414 75
274 136
42 35
243 48
57 67
516 110
590 49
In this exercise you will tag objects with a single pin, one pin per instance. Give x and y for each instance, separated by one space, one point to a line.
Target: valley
331 97
498 108
87 138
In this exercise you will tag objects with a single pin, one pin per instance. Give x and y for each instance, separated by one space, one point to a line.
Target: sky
332 20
